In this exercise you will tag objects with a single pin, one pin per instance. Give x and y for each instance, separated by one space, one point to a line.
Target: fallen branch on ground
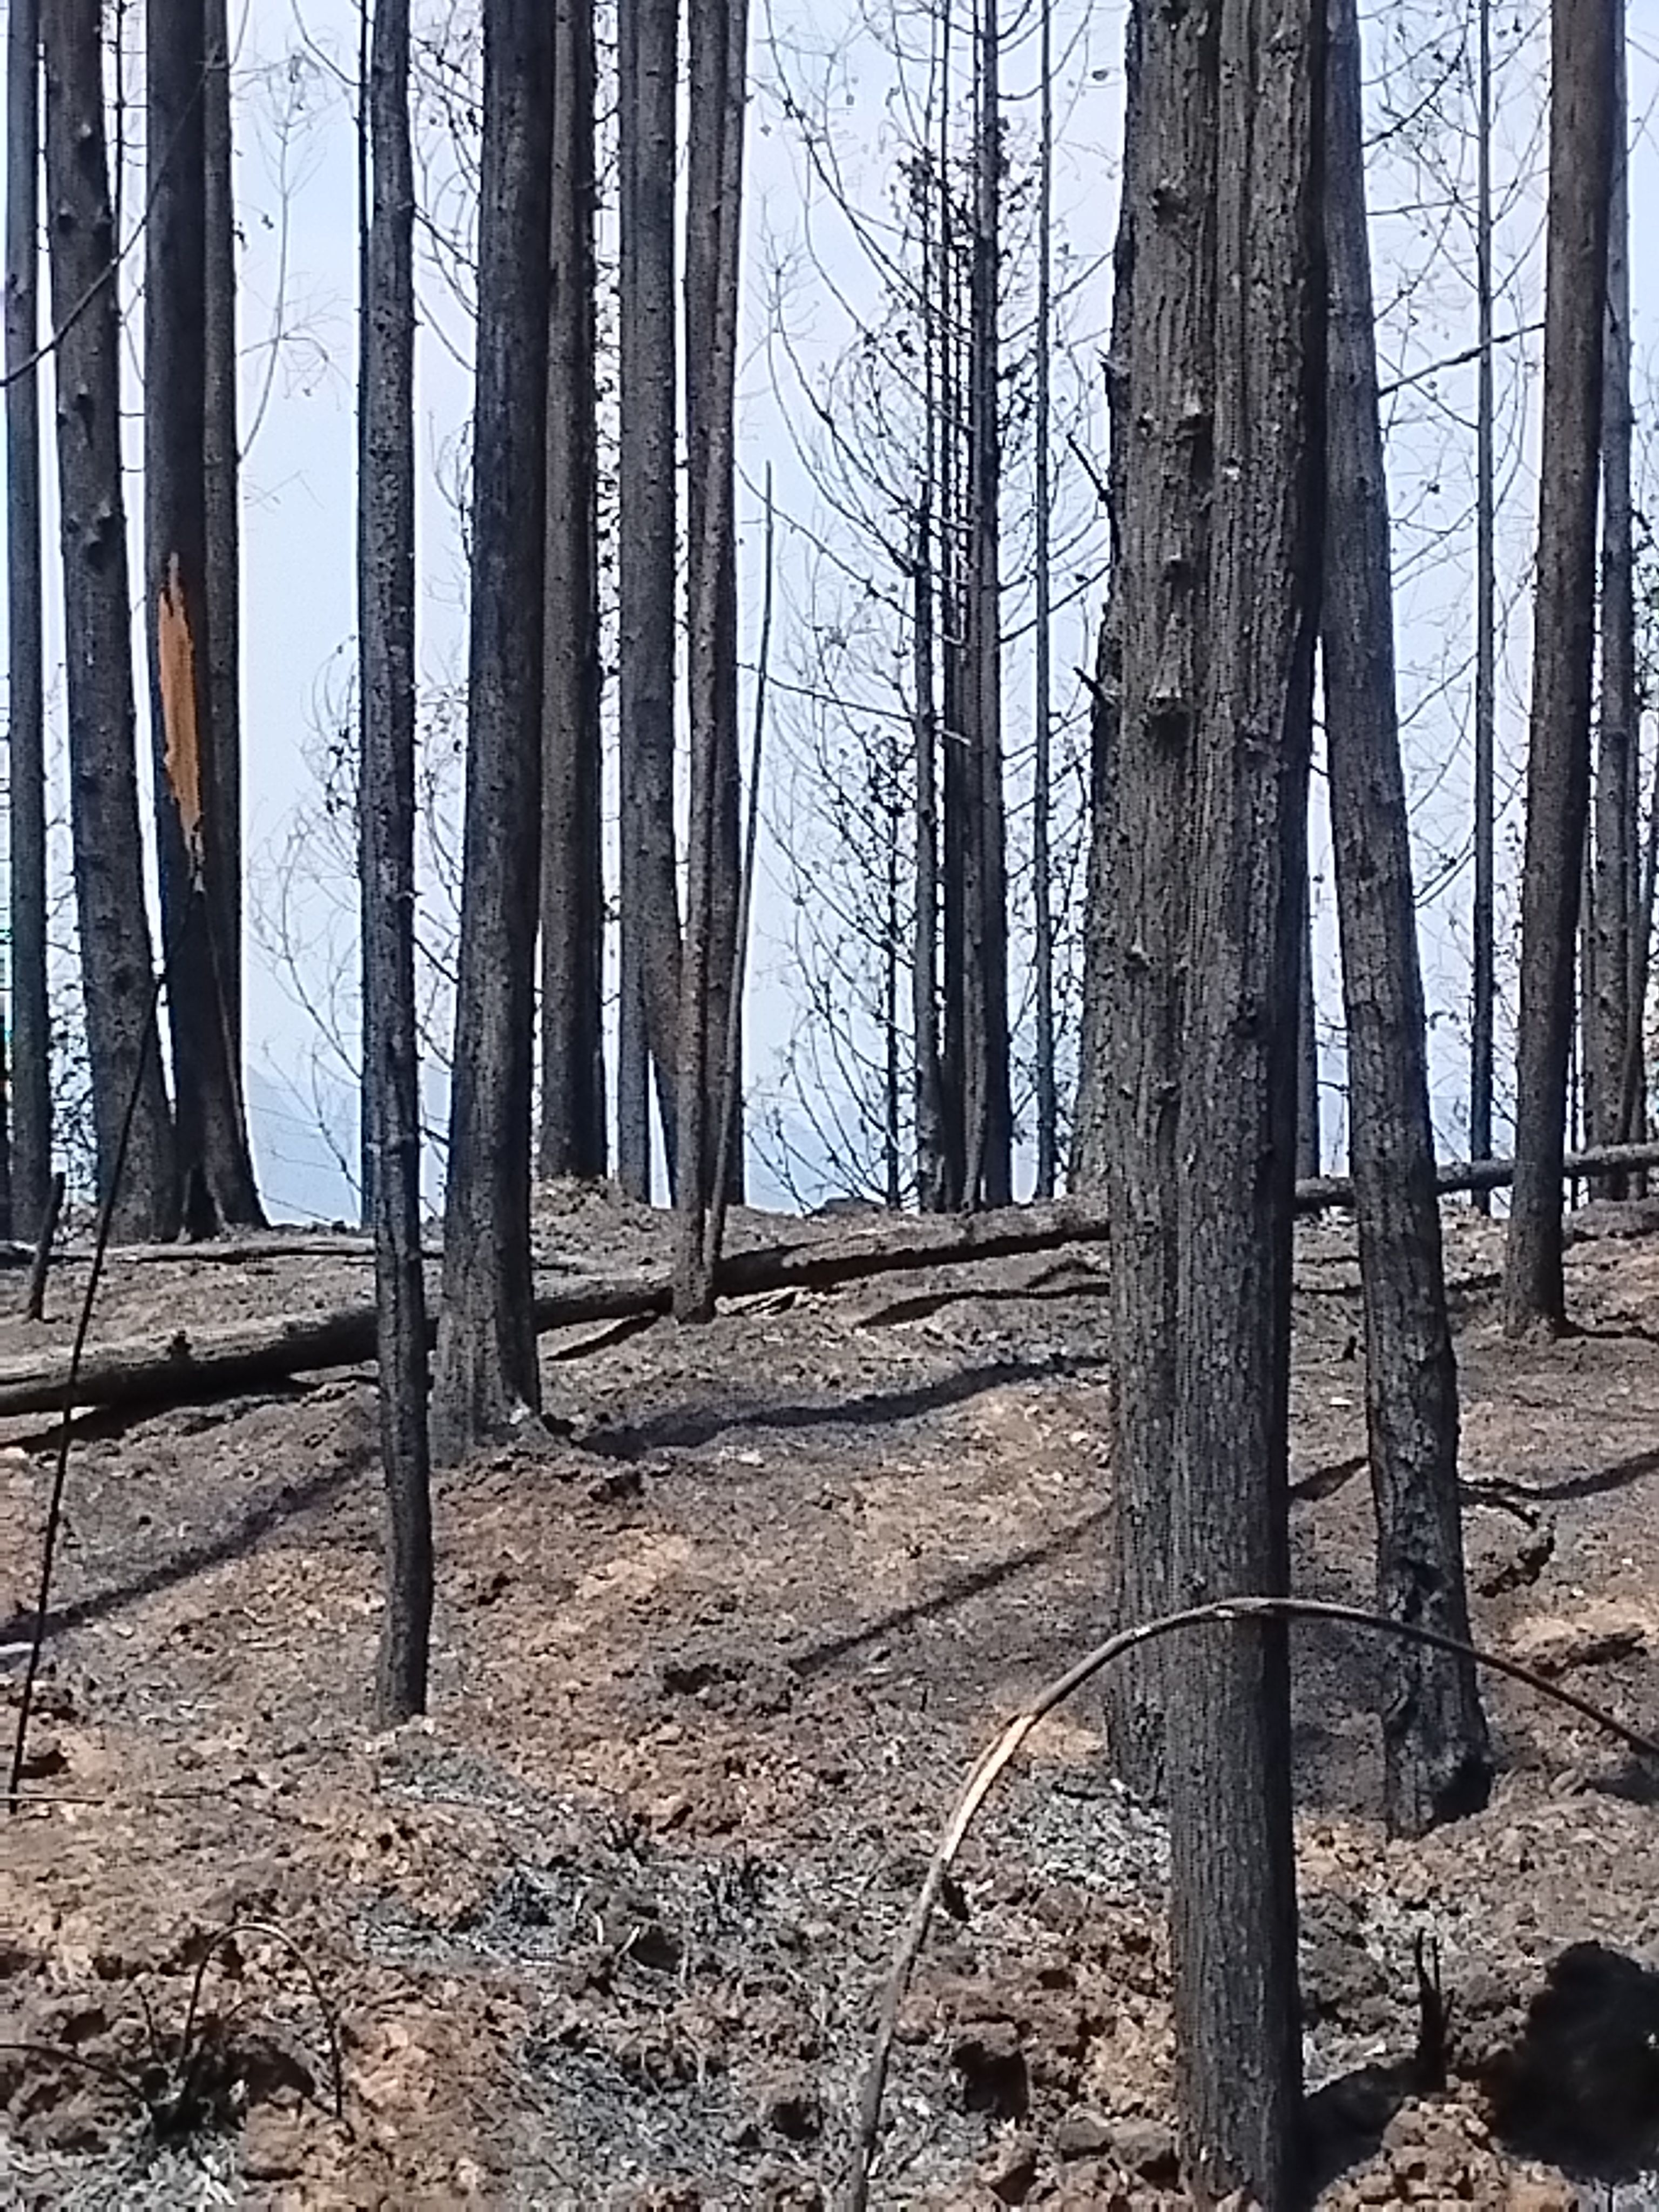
995 1759
218 1363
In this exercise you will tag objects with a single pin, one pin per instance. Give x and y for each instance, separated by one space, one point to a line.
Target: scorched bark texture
487 1378
391 1114
1437 1759
1564 635
109 879
1232 1865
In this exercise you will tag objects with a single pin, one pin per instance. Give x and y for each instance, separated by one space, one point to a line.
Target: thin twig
66 1430
998 1756
274 1934
1453 360
49 346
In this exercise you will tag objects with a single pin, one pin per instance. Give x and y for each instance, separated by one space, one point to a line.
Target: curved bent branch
997 1757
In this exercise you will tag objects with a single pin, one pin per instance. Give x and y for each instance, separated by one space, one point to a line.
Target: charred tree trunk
386 587
224 547
930 1171
1090 1142
30 1098
1557 773
1042 929
717 62
948 614
719 42
1641 943
1612 1017
1485 988
1162 338
214 1157
1308 1151
572 1133
109 878
890 799
987 1151
487 1378
647 556
924 968
1233 1933
1438 1757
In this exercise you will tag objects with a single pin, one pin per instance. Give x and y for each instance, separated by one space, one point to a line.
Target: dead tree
392 1116
572 1139
1042 950
1090 1152
1232 1864
1162 379
30 1070
1436 1754
647 1042
1582 85
1485 985
223 470
487 1378
116 971
1612 1023
987 1119
719 31
1308 1134
214 1157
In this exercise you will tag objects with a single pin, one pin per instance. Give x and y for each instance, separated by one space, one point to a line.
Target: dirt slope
711 1658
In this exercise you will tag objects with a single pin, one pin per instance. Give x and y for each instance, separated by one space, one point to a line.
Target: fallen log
237 1251
1454 1175
224 1362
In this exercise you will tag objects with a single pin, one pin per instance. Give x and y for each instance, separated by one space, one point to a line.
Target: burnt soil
712 1654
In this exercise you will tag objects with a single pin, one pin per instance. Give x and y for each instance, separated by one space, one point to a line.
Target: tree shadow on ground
814 1657
244 1536
1597 1482
685 1428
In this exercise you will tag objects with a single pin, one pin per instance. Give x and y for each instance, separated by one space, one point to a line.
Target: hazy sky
296 187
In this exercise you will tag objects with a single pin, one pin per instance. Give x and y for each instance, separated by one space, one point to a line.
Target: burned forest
828 1275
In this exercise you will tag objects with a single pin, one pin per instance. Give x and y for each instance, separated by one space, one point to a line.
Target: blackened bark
224 550
1232 1866
487 1378
1307 1048
649 949
212 1147
31 1036
1483 988
1042 924
572 1133
1438 1757
924 580
924 966
949 481
386 587
109 880
717 54
987 1114
1611 1016
5 1140
1635 1116
1090 1140
719 31
1563 624
1160 596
